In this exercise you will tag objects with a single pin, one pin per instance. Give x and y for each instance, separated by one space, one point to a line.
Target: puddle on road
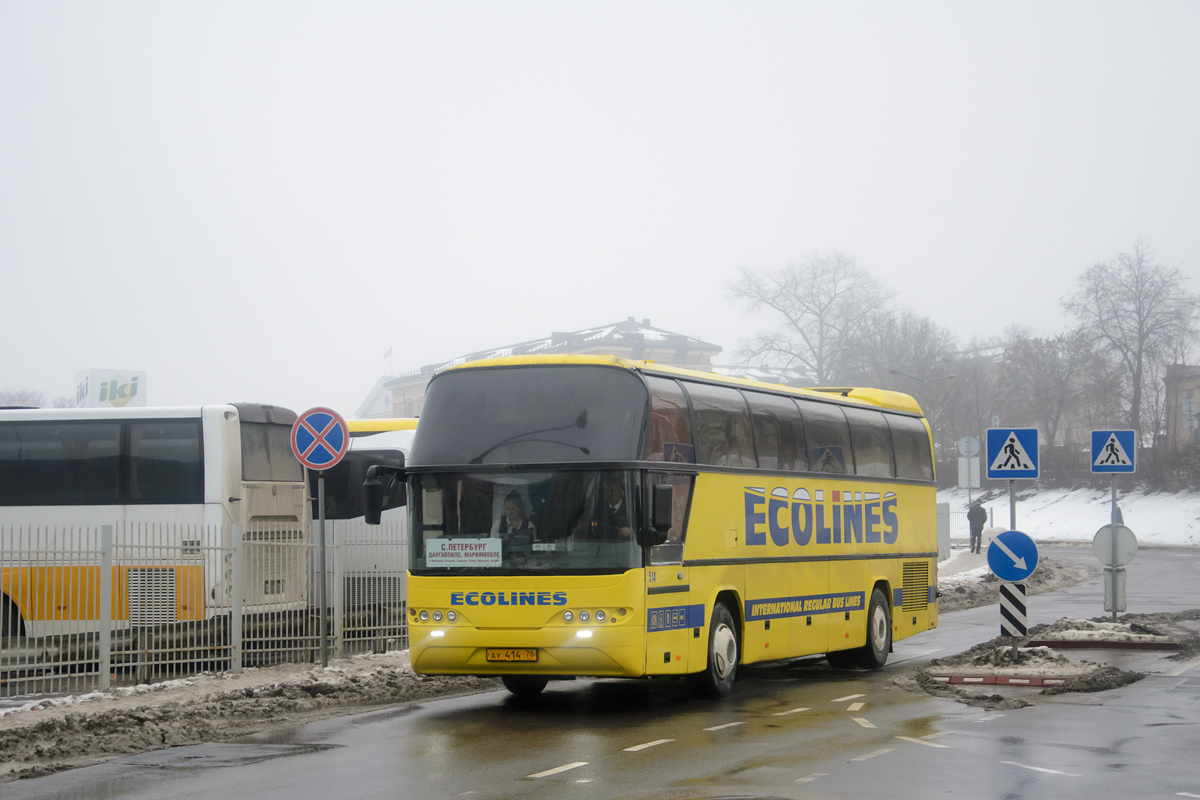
220 755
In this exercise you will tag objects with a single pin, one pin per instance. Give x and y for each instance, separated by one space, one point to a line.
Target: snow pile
1082 630
51 734
1076 514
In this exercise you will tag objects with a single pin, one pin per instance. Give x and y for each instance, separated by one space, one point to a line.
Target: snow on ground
1163 518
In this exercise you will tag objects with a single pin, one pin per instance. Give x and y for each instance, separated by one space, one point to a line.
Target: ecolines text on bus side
847 517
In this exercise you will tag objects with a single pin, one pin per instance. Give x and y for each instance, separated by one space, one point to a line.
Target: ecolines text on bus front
508 598
846 517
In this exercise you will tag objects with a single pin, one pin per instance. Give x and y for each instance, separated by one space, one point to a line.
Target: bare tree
27 398
821 307
906 352
22 397
1138 312
1043 382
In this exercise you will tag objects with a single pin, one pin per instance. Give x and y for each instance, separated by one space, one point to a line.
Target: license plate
512 654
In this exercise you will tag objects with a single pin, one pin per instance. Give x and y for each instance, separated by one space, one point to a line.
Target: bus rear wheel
524 685
874 653
716 681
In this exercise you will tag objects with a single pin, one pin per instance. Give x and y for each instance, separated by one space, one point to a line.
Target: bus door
672 617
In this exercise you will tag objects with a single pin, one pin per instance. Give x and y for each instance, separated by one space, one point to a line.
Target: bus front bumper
560 650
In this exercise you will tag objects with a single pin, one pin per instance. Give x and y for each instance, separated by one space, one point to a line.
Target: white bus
372 560
172 482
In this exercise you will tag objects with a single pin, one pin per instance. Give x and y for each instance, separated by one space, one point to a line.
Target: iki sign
109 388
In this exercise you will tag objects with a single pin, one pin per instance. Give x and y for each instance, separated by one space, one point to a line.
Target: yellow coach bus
594 516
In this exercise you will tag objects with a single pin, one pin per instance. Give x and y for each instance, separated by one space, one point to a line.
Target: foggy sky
254 201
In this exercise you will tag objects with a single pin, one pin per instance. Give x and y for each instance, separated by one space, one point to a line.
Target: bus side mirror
662 505
379 481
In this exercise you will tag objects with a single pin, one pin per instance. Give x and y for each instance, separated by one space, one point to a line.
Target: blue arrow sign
1012 453
1113 451
320 438
1013 556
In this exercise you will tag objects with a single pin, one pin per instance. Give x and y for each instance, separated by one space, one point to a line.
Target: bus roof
247 412
880 398
382 424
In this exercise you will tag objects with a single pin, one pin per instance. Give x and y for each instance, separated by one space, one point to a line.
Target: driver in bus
514 521
616 510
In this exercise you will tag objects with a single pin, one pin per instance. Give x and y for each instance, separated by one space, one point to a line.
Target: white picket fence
83 608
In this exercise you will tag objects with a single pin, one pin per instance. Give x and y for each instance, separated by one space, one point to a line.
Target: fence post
235 604
339 600
106 620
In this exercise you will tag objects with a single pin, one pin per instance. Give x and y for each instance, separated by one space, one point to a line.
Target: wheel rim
879 630
724 653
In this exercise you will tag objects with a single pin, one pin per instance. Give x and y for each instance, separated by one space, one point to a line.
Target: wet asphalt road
799 730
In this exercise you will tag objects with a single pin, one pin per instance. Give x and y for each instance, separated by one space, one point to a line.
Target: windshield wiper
580 422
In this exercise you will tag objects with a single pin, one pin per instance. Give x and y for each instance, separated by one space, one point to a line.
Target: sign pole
1012 506
321 564
319 440
1113 519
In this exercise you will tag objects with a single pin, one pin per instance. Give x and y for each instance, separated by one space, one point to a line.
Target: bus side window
778 432
872 442
827 437
670 425
910 439
671 551
723 434
166 464
61 463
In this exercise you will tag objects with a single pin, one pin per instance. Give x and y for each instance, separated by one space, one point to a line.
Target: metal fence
960 528
83 608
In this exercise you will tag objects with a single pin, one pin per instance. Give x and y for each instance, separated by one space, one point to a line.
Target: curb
1005 680
1097 644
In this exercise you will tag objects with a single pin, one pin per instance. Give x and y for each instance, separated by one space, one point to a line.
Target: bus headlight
584 616
568 616
437 616
451 616
600 616
423 616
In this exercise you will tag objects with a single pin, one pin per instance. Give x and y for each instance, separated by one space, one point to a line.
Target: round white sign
1126 548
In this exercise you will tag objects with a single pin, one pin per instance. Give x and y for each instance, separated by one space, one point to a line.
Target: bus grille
916 586
151 594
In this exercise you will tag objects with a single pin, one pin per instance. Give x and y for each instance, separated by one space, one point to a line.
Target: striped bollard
1013 619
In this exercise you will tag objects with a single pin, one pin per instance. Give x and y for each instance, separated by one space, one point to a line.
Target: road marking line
1175 673
815 775
921 741
793 711
847 697
989 716
935 735
1187 794
873 754
726 725
1041 769
862 722
855 706
556 770
655 743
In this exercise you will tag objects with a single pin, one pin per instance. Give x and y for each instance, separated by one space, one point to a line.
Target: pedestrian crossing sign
1012 453
1113 451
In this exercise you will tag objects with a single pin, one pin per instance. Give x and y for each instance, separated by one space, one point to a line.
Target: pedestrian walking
977 517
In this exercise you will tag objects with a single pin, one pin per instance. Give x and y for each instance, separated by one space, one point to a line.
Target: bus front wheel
524 685
716 681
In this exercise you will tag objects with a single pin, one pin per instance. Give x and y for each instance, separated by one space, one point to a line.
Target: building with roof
403 395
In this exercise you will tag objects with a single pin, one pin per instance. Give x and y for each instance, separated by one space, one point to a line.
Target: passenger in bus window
515 519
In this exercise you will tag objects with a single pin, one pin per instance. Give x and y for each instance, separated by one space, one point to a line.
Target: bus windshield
531 414
515 523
